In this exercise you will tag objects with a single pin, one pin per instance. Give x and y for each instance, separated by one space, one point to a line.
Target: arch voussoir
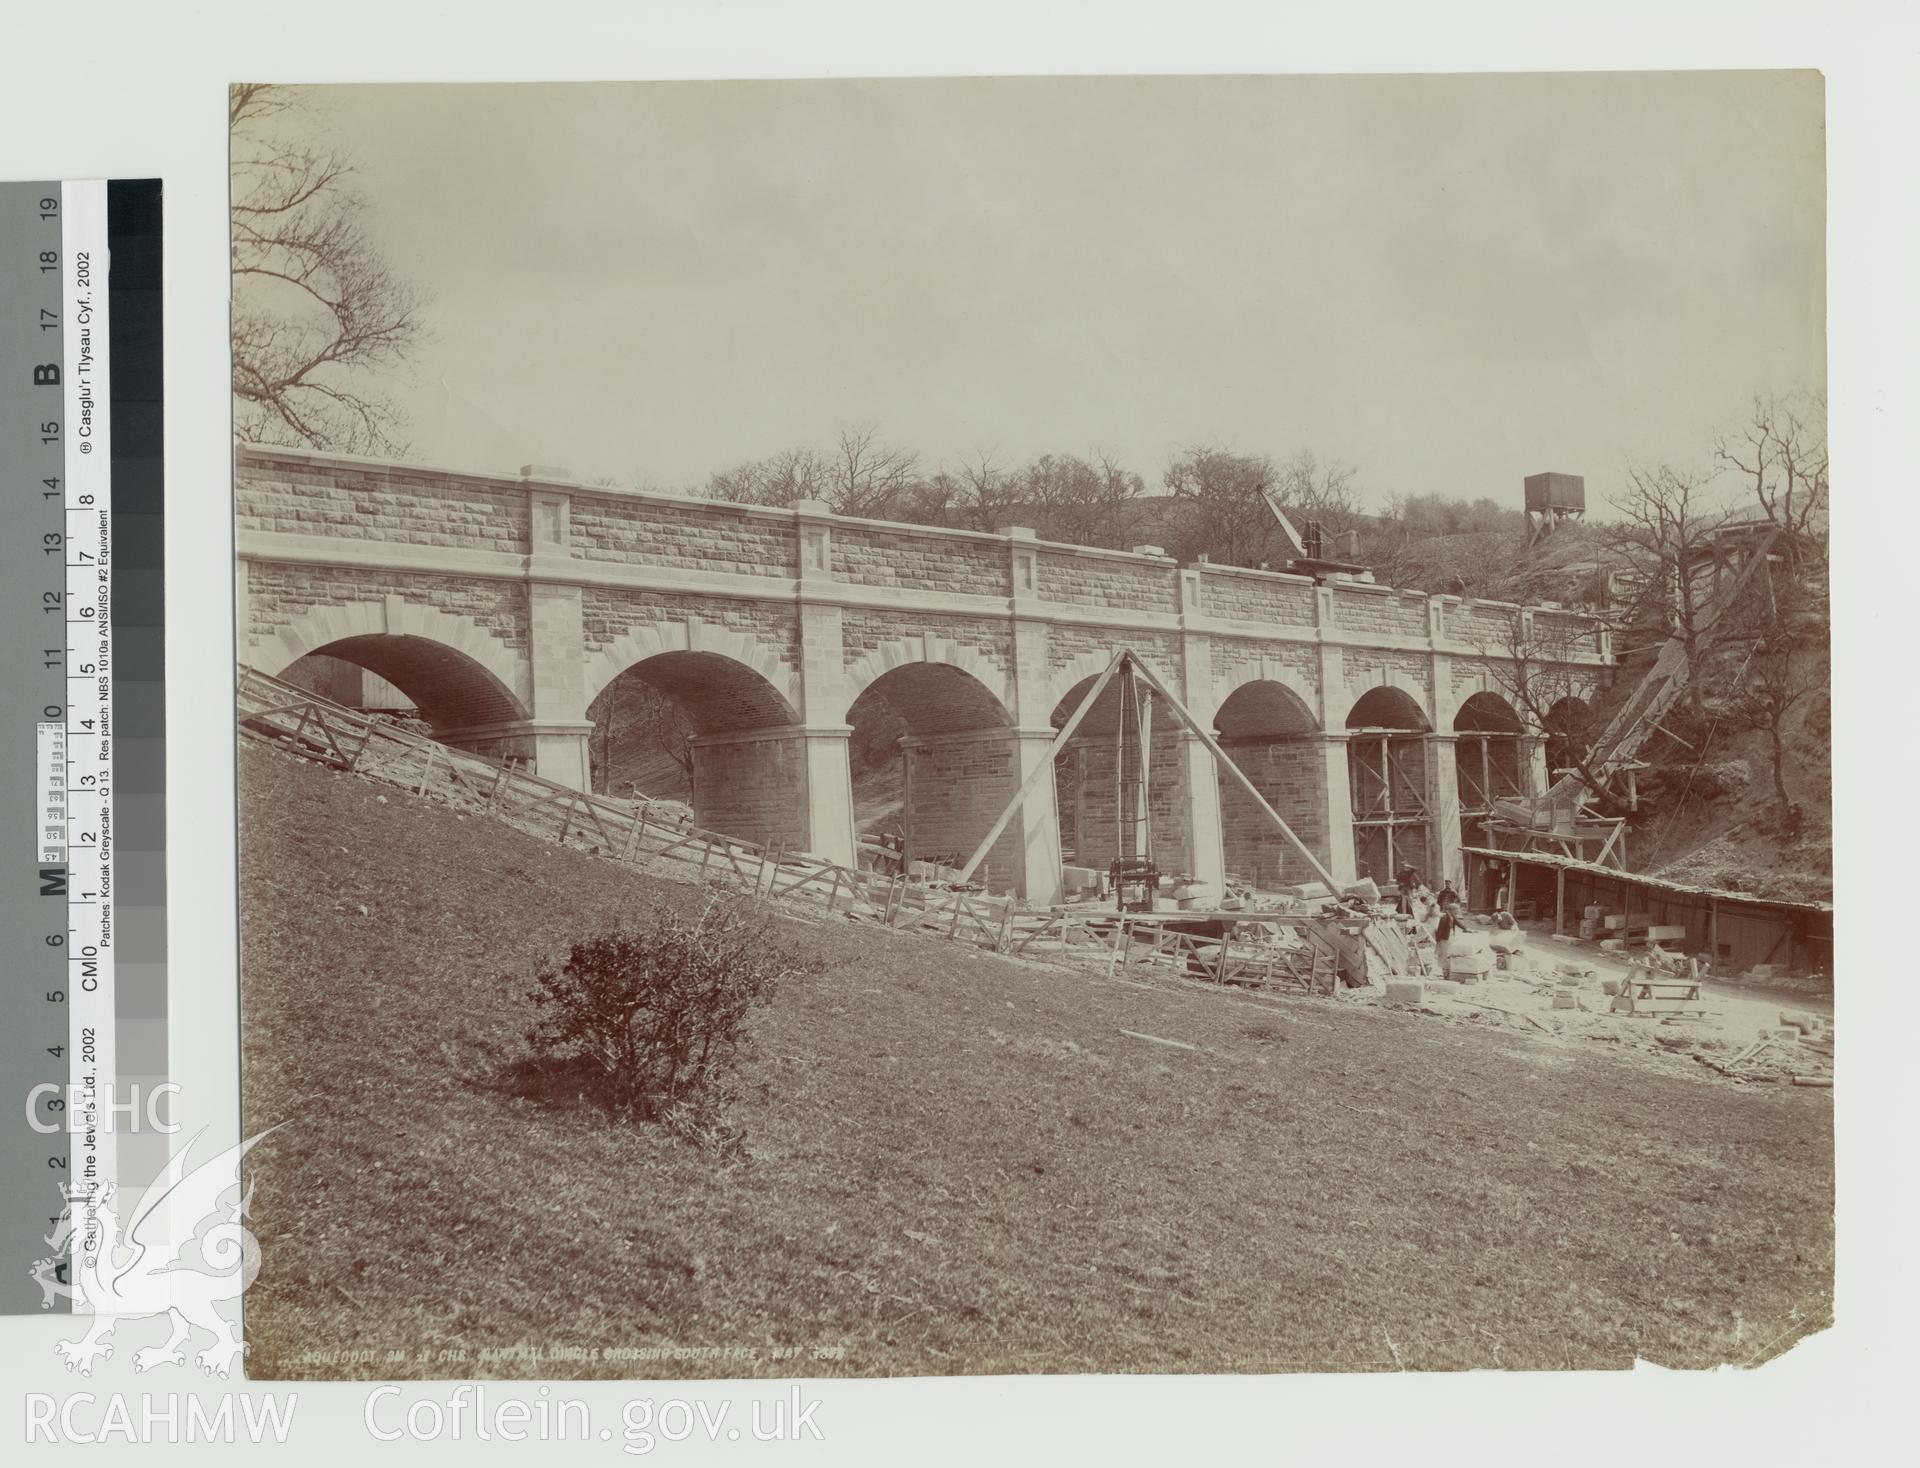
322 626
651 639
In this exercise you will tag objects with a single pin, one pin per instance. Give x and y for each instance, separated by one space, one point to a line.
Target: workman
1443 934
1405 880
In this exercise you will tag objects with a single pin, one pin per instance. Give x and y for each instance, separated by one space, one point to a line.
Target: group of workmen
1438 914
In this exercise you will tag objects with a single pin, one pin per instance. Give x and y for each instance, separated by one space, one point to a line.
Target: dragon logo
217 1258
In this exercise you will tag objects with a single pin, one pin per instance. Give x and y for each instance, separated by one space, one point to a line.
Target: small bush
657 1014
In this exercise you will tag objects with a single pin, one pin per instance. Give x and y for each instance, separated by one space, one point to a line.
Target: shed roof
1548 859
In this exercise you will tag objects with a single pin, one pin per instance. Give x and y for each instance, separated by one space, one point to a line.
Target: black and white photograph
1009 725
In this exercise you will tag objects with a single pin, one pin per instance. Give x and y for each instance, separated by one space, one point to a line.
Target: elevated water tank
1556 494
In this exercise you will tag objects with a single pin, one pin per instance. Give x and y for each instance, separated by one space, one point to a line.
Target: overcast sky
1449 282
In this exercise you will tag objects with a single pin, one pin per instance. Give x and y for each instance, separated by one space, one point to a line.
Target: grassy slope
958 1163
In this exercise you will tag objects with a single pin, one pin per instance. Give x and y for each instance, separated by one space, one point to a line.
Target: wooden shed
1737 930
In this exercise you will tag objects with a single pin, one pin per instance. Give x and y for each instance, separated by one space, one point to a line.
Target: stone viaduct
1372 719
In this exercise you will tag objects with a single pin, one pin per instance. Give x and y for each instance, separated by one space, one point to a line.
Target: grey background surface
29 1024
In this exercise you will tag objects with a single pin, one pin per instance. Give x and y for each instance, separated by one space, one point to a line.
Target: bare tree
1323 492
1789 629
632 716
1532 662
316 309
864 475
1117 499
1668 517
778 479
1086 502
949 497
1770 689
1229 517
1780 454
1224 494
978 492
664 726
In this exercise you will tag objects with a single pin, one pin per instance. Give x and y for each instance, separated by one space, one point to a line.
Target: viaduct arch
503 606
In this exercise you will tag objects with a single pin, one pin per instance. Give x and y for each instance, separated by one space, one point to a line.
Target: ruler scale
84 916
33 1036
89 719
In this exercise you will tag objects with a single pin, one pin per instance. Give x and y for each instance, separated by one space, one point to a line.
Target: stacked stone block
919 560
1383 611
1124 582
701 536
753 788
1251 596
956 787
295 494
